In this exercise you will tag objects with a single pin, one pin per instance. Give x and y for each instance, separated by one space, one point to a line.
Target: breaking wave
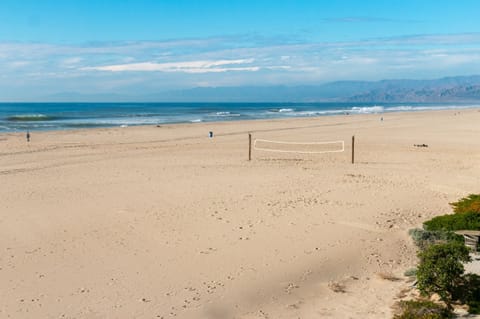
31 118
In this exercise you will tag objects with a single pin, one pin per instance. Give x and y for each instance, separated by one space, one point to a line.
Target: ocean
19 117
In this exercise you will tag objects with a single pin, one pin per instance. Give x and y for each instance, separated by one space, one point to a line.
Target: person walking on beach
28 136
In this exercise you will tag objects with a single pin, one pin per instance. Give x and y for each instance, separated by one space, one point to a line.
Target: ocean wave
83 125
31 118
401 108
367 109
406 108
319 113
114 121
281 110
226 114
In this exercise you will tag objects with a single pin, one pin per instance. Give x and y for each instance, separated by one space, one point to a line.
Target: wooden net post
249 146
353 149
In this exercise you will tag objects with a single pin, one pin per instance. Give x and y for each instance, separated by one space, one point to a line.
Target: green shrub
422 310
440 270
469 292
411 272
424 238
474 307
464 221
469 204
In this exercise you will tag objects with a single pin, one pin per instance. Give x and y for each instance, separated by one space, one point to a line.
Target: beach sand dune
162 222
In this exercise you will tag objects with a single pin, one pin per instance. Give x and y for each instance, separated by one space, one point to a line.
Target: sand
162 222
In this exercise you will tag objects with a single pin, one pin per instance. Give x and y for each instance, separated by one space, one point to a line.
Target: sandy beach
163 222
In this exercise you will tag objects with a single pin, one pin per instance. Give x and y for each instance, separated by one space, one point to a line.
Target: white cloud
205 66
19 64
71 62
278 67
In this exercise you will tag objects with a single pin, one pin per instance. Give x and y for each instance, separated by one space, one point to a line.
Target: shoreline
245 122
61 119
163 221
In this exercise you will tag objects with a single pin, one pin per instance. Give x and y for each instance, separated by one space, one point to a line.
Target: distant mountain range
449 89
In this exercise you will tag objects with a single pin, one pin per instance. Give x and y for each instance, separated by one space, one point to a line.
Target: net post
249 146
353 149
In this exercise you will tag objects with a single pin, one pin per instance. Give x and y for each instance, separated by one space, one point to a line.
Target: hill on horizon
448 89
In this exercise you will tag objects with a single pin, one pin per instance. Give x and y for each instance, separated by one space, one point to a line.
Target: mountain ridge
447 89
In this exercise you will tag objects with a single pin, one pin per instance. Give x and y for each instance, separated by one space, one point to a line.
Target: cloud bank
186 67
153 66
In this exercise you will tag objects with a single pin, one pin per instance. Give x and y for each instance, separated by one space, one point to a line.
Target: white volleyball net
299 147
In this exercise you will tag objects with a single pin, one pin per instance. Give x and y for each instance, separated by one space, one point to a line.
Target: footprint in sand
290 287
363 226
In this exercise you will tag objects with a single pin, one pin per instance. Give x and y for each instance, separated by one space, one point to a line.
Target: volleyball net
299 147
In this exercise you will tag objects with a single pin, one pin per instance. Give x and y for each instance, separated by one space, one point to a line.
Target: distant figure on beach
28 136
381 119
210 134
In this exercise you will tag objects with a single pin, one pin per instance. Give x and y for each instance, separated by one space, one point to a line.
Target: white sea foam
319 113
401 108
406 108
226 114
367 109
281 110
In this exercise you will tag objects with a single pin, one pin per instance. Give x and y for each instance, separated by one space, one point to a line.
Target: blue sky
145 47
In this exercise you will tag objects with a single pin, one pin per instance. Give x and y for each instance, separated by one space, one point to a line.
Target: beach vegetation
411 272
422 309
462 221
441 269
424 238
468 292
469 204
